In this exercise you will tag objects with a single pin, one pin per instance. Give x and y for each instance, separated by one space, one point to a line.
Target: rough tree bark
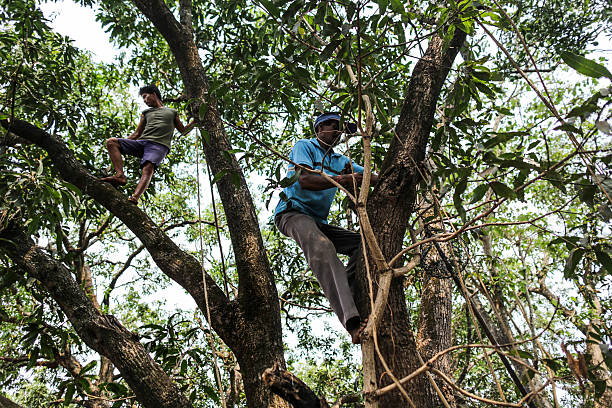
434 333
602 372
389 208
7 403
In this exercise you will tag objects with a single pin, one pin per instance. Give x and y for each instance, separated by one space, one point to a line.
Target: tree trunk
389 208
435 321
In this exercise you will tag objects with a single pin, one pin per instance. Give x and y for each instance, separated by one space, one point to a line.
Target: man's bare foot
358 331
133 200
115 180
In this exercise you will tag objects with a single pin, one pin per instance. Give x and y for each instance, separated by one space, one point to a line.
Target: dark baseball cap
325 117
349 127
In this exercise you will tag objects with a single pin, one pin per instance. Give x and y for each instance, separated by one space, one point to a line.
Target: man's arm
353 167
315 182
138 132
180 127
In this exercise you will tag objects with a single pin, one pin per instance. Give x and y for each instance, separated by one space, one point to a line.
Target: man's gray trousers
321 243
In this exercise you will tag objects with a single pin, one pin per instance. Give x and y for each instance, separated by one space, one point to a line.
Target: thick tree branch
23 360
7 403
103 333
186 13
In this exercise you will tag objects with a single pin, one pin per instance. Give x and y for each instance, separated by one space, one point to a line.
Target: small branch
414 262
24 359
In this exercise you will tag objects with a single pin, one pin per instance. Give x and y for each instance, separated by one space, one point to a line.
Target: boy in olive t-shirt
150 141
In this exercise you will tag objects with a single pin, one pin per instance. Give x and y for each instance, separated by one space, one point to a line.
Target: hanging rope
210 340
214 206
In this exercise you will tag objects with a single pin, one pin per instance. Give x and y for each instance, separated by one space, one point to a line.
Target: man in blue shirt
303 217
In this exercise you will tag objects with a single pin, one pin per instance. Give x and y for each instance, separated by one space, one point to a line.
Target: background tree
483 184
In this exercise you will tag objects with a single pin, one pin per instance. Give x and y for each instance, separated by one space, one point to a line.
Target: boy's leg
112 145
152 156
145 179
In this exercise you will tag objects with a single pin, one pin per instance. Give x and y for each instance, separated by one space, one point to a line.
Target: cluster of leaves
181 348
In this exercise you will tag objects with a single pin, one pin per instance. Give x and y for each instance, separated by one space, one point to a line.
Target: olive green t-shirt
159 126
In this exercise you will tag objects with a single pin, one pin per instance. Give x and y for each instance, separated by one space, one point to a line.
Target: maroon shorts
147 150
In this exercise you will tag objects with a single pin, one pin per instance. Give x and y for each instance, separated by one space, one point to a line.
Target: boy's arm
180 127
138 132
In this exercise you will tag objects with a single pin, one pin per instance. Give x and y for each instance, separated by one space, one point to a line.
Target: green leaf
290 106
218 176
202 111
211 392
287 181
70 389
116 388
553 364
479 192
502 190
397 6
587 192
572 261
271 7
292 9
585 66
457 201
604 212
236 179
205 136
329 50
600 388
568 127
605 260
502 137
383 4
582 111
320 16
88 367
525 354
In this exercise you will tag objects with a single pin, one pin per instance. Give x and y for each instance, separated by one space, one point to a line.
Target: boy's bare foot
133 200
115 180
358 331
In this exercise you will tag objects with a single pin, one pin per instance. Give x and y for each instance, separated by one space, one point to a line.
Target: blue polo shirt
308 152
